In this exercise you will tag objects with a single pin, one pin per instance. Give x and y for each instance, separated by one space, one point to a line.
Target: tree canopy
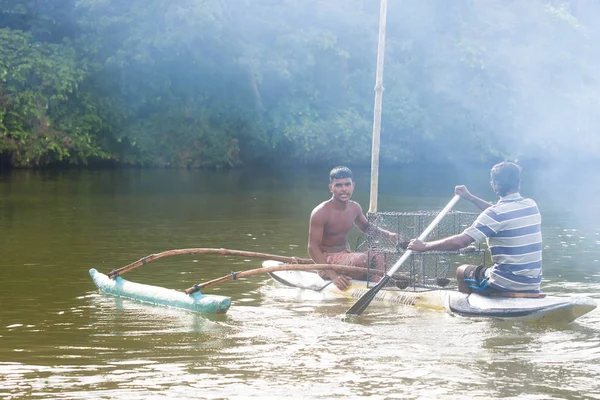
218 83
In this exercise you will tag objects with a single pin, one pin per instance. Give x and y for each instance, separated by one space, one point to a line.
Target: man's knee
361 260
377 261
462 272
349 258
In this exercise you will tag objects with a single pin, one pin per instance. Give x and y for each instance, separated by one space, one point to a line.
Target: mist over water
225 83
517 76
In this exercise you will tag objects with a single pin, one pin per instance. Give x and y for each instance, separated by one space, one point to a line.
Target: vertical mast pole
377 108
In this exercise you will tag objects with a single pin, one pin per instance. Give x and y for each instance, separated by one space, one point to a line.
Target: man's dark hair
340 173
507 177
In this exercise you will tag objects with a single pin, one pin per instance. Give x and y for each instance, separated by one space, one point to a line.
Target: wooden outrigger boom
192 299
221 251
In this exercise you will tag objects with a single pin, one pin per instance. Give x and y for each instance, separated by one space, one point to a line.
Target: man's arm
463 192
363 224
315 238
450 243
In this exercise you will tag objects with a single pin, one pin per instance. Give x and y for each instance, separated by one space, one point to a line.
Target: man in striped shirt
512 228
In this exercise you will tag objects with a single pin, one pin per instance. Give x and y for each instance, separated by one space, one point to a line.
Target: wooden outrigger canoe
549 309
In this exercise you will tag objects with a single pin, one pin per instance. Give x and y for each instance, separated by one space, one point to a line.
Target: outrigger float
196 301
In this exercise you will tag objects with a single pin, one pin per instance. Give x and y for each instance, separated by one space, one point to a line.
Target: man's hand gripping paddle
366 298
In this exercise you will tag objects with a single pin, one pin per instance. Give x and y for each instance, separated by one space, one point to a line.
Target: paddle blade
366 298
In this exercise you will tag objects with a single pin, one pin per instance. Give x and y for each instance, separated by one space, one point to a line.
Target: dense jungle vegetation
220 83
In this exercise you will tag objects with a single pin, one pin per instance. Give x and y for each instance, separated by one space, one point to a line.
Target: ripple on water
65 340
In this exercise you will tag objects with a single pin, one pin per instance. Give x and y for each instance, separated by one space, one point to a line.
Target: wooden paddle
366 299
227 252
283 267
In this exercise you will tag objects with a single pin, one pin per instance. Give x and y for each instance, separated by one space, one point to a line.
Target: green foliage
37 124
210 83
203 139
46 20
176 85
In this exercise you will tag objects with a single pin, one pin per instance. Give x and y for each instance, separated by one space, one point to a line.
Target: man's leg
376 267
355 260
377 271
348 258
460 278
471 278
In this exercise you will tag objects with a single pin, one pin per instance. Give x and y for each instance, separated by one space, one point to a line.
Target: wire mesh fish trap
422 271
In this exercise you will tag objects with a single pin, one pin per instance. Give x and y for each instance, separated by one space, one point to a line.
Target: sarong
350 258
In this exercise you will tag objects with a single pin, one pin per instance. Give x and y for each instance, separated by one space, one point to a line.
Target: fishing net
422 271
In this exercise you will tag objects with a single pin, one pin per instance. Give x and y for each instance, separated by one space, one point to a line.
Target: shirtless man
330 223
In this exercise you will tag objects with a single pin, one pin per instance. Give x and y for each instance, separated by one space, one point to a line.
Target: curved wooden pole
284 267
225 252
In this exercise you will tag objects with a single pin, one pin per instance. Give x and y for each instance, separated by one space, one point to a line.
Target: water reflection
60 338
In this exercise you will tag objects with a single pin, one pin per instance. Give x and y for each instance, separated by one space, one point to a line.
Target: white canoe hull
197 301
548 309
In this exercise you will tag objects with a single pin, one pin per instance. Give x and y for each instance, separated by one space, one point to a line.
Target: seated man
330 223
512 228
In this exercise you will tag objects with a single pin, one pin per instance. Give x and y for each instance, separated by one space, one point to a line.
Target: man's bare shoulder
321 209
355 207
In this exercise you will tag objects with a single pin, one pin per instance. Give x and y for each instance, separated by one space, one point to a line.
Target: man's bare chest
339 223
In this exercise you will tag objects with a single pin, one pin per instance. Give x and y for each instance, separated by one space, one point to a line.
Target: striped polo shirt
512 228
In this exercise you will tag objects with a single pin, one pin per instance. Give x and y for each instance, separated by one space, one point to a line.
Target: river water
60 338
